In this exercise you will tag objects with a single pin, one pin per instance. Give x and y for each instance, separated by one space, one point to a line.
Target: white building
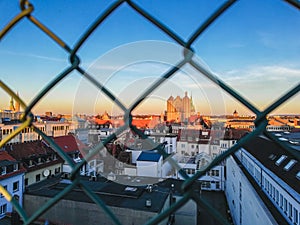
11 179
50 128
265 178
213 180
149 164
192 142
170 141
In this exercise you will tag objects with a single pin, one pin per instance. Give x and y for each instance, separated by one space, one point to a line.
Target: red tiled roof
26 150
21 170
68 143
101 122
34 149
5 156
139 123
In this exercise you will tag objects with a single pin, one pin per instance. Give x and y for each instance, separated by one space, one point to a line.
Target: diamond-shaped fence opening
27 13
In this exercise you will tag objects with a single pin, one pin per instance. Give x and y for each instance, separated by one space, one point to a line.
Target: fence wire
26 13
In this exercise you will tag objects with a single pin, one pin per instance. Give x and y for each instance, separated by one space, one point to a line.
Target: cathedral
180 109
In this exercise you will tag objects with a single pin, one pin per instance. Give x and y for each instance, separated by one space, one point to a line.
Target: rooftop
112 194
149 156
28 149
276 159
69 143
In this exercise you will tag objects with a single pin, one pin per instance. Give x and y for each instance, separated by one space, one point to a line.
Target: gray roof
268 153
113 194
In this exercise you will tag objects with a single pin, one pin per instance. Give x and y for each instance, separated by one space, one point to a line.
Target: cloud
263 84
34 56
262 75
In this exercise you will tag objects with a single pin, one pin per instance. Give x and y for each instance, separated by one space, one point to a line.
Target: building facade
180 109
38 158
265 177
11 179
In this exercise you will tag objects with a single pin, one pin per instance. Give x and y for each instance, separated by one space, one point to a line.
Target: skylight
272 156
131 189
298 175
280 160
290 164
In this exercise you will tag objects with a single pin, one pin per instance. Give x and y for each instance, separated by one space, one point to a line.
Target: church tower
193 111
17 108
11 104
186 107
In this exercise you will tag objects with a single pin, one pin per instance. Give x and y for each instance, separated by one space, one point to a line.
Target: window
280 160
217 185
15 166
281 201
296 220
216 173
3 209
3 170
26 181
240 188
205 184
5 187
277 196
285 205
290 210
57 170
15 186
37 177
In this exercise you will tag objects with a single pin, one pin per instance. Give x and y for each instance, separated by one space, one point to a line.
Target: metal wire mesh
26 13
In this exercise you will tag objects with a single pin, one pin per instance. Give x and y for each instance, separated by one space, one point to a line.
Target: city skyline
257 54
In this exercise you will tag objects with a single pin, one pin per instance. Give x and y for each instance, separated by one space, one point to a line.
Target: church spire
192 106
11 104
17 107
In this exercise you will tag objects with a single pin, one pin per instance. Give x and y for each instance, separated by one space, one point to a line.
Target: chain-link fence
27 13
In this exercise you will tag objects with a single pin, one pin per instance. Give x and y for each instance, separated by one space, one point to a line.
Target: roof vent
149 188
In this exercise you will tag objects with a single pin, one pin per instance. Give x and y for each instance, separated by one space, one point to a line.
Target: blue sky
254 47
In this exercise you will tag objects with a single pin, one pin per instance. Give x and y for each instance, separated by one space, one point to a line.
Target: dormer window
3 170
15 167
280 160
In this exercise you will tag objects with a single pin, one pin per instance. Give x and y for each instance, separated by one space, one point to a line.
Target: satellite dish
46 173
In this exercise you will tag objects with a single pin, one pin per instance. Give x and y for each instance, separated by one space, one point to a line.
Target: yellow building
180 109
